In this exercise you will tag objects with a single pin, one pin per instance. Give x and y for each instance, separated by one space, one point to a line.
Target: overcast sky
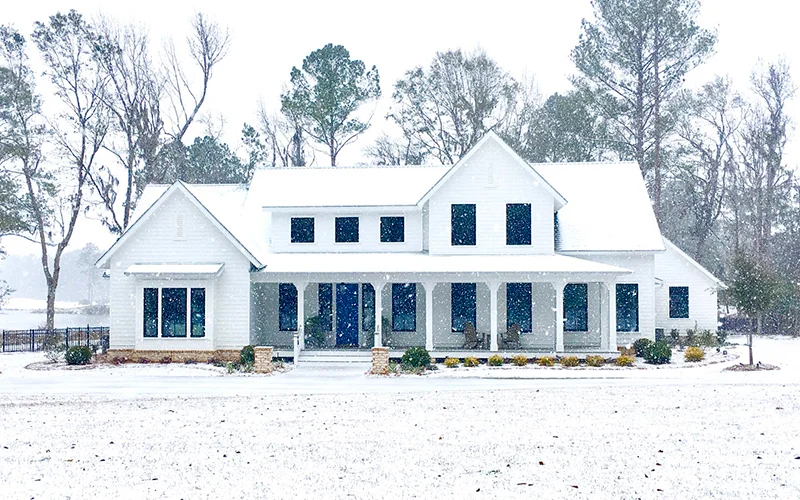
533 37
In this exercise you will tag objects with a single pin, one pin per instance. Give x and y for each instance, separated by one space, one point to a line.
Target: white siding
674 270
490 179
157 243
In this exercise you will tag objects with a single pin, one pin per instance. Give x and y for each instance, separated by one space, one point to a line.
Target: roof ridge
352 167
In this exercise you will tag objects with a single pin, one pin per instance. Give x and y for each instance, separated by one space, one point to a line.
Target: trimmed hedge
658 353
416 357
78 355
247 355
641 346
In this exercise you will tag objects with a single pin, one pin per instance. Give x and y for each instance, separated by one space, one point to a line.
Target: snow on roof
344 186
608 208
174 269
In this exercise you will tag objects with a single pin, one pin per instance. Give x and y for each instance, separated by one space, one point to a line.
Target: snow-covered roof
343 186
608 208
183 270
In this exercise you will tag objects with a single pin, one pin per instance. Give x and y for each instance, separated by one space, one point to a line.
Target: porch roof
422 263
174 270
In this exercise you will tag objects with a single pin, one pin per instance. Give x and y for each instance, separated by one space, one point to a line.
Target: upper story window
347 230
518 224
393 229
302 230
462 224
679 302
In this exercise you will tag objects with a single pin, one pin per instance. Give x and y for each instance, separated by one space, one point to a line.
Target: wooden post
559 288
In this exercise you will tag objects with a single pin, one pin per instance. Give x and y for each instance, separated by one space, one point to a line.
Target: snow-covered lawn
187 432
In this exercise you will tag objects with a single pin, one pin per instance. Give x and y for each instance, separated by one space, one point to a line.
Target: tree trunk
51 304
759 320
657 126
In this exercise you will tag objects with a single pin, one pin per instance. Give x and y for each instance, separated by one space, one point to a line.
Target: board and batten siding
490 179
674 270
158 242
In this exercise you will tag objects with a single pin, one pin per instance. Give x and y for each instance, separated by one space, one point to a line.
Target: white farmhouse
456 258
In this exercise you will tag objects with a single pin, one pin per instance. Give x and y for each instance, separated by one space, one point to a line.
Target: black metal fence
95 337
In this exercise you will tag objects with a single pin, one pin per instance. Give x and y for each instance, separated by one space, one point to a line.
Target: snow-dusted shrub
416 357
545 361
190 361
470 361
722 337
495 360
248 355
315 337
659 353
165 360
570 361
707 338
641 346
53 347
78 355
452 362
394 368
693 354
595 360
675 337
519 360
624 360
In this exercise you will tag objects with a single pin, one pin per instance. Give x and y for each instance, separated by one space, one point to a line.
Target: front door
347 314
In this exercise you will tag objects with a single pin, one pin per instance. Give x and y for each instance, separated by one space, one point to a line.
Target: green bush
315 337
722 337
53 347
595 360
659 353
519 360
641 346
707 338
570 361
691 337
694 354
471 361
78 355
247 355
416 357
624 360
674 337
452 362
496 360
545 361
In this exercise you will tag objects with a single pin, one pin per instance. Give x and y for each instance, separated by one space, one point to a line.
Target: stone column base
263 362
380 361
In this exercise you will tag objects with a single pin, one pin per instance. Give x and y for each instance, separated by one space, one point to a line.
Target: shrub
569 361
471 361
640 346
627 351
722 337
78 355
624 360
707 338
452 362
315 337
53 347
675 337
416 357
694 354
691 337
659 353
595 361
248 355
144 361
394 368
496 360
545 361
190 361
519 360
165 360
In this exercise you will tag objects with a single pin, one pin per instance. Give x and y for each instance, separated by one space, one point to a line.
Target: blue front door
347 314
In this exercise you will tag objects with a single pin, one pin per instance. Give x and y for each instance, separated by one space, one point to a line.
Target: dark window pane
628 308
518 224
576 307
368 308
302 230
392 229
198 312
679 302
347 230
462 224
173 312
287 307
404 307
518 306
326 306
151 312
463 307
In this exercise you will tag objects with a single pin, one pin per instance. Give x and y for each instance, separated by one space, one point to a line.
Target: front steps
341 357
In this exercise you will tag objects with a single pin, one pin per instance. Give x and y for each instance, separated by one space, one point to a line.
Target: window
518 224
393 229
368 308
174 312
679 302
325 306
462 300
576 307
302 230
519 305
287 307
198 313
404 307
462 225
628 308
151 312
347 230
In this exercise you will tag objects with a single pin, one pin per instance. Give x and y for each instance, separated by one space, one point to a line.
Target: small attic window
180 232
491 181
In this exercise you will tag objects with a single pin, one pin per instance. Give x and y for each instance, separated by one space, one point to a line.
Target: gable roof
491 136
222 204
672 246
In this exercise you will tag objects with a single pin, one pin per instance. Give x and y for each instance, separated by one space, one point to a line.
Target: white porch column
429 286
493 287
378 287
612 315
559 288
301 312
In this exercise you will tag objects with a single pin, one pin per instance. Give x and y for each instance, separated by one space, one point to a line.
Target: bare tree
388 151
278 140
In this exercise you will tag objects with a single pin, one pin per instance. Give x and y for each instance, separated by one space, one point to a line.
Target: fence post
66 337
87 336
4 341
31 340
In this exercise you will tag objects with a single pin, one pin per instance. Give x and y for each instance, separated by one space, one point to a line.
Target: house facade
569 255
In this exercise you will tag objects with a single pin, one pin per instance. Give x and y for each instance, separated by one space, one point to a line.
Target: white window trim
314 222
175 343
392 243
354 216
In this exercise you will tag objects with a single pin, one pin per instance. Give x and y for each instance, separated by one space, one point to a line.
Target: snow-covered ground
189 432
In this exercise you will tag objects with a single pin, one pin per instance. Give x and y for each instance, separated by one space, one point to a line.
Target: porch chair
511 338
471 340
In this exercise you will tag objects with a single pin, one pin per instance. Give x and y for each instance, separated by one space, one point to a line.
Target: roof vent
180 233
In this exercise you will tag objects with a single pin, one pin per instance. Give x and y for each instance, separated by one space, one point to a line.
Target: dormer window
462 224
518 224
346 229
393 229
302 230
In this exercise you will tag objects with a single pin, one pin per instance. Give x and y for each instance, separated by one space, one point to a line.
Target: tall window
576 307
175 312
519 305
393 229
198 313
404 307
518 224
462 224
628 307
287 307
325 306
151 312
368 307
302 230
346 229
679 302
463 307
